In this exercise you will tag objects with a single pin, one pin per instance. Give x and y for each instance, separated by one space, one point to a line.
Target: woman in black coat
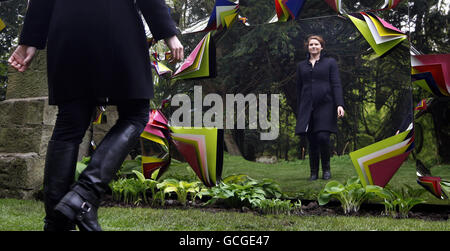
319 103
97 53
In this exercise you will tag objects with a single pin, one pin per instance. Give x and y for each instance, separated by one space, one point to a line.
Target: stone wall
26 126
31 83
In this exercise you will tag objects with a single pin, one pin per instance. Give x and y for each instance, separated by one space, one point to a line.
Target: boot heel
63 206
83 213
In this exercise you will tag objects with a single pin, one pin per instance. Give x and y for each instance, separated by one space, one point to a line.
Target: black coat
319 93
96 48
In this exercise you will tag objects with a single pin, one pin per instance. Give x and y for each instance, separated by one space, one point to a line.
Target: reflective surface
262 59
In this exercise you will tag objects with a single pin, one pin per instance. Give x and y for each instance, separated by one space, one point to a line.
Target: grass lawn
292 176
27 215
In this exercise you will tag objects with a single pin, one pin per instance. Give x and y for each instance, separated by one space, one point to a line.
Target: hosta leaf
414 201
353 180
86 160
259 190
374 189
236 178
79 169
129 166
334 187
139 175
184 184
228 193
324 198
358 193
353 186
170 189
191 190
171 181
155 174
259 196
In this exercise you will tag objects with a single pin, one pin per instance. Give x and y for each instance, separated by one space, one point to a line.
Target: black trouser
319 142
319 150
74 118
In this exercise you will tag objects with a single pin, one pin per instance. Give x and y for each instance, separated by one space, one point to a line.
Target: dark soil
422 211
309 208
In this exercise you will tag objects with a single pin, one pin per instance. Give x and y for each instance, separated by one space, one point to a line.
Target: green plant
160 196
270 187
234 195
445 186
181 188
132 190
236 179
149 184
277 206
81 165
307 194
128 190
240 190
189 175
128 167
399 203
125 170
351 195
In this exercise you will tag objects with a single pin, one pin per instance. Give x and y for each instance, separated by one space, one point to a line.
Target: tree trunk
230 143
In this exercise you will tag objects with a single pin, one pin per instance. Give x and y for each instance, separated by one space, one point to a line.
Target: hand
22 57
340 111
176 49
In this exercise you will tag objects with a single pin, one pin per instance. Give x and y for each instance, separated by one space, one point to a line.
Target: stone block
21 174
32 82
27 111
27 125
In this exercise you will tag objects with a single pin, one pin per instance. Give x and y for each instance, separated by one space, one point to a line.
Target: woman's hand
340 111
176 48
22 57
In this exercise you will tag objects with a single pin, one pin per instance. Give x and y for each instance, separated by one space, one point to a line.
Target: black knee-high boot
59 172
81 203
313 163
325 159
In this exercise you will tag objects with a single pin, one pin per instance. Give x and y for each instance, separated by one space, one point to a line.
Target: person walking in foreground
319 103
97 54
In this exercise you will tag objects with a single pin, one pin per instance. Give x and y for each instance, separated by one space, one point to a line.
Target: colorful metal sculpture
224 14
421 106
380 35
377 163
160 68
100 115
432 73
288 9
2 25
201 148
434 185
201 63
